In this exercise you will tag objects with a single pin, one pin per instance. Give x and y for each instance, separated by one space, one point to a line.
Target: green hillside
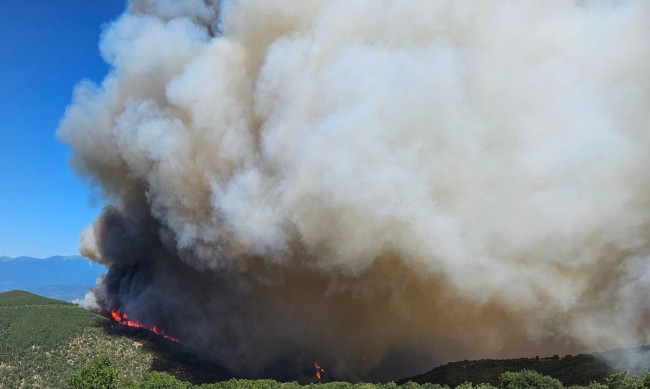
21 298
570 370
43 342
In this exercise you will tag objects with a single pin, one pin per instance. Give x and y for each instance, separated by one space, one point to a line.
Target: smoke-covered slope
379 186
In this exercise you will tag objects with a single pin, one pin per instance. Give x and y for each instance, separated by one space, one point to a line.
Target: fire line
123 318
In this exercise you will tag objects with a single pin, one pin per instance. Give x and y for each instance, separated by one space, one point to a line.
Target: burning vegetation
320 373
123 318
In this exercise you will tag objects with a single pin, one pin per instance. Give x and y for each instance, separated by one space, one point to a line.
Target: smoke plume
379 186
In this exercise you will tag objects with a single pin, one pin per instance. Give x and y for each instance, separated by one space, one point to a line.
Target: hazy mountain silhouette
61 277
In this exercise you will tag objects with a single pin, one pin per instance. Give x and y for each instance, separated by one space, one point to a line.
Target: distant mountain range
61 277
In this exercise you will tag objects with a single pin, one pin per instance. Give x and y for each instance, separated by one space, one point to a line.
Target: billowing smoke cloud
379 186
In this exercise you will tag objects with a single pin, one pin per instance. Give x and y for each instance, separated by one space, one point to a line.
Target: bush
469 385
248 384
622 380
593 385
336 385
415 385
429 385
99 374
528 379
157 380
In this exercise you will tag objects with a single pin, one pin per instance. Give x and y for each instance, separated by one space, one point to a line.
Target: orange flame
320 372
123 318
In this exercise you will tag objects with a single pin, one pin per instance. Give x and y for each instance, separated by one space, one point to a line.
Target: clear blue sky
46 48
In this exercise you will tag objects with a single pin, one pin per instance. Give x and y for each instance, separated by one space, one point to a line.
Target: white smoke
432 161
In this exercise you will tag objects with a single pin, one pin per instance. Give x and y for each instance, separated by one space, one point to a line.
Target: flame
123 318
320 372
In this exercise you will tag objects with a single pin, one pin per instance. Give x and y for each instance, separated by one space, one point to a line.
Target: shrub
528 379
99 374
622 380
429 385
158 380
593 385
469 385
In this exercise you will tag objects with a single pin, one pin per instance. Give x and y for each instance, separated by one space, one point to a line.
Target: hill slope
43 341
570 370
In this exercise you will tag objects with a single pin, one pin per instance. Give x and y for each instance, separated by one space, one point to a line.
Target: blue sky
47 48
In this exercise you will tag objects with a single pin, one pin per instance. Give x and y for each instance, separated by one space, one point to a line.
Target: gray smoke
379 186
